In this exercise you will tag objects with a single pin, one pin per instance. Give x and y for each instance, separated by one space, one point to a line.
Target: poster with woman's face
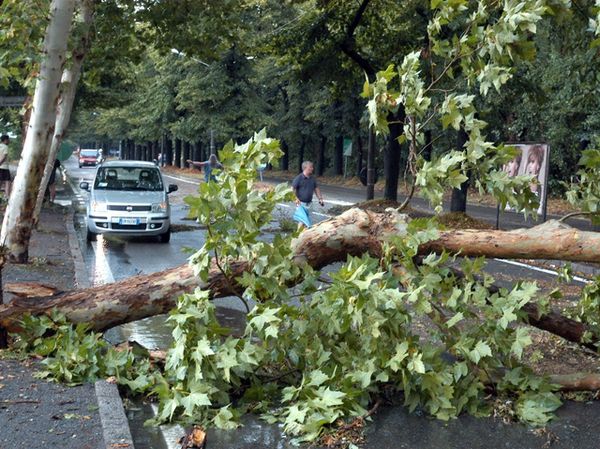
532 160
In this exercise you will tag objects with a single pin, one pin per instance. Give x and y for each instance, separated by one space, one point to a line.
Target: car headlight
97 206
159 207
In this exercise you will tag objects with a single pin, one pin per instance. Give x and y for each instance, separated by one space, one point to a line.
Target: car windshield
128 178
89 153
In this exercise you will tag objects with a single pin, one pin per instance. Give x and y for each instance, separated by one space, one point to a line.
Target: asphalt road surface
110 260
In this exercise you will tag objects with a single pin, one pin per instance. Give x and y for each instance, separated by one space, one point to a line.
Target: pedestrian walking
305 186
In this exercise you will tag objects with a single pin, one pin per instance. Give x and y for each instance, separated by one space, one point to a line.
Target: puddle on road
155 333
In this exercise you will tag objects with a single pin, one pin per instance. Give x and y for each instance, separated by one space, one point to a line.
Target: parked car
128 198
89 157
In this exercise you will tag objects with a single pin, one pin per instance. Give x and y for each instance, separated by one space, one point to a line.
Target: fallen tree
354 232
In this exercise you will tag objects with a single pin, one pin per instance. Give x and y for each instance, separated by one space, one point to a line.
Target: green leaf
225 419
481 350
537 408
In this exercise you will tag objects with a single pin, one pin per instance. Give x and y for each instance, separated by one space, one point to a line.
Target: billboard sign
533 159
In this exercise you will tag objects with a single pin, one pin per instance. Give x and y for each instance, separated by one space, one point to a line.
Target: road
110 260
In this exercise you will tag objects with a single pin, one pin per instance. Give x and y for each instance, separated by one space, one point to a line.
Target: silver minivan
128 198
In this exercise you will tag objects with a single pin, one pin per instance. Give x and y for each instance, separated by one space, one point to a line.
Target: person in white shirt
5 178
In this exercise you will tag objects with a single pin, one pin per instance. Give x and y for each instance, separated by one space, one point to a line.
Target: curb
81 277
115 427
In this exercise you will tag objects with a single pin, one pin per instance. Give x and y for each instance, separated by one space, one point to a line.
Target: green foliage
305 370
322 351
74 355
22 26
585 193
587 309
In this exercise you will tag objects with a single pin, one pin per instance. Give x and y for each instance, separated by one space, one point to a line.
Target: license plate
129 221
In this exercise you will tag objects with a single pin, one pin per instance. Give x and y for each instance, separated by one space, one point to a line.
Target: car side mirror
84 185
172 188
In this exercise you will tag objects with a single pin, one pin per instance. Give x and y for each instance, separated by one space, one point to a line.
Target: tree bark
576 381
355 232
392 154
177 156
321 155
70 80
284 162
168 155
198 151
458 202
186 152
371 165
301 153
338 156
359 153
18 219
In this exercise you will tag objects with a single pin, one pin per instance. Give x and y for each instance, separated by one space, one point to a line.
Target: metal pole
212 141
498 216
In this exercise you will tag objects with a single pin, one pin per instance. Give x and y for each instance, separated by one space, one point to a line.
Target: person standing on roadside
208 166
5 178
52 181
305 185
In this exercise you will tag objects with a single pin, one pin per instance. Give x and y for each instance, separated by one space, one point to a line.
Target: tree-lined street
315 330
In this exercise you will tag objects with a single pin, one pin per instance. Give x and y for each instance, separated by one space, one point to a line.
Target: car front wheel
165 238
90 236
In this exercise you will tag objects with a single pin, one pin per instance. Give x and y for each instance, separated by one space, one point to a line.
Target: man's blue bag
301 215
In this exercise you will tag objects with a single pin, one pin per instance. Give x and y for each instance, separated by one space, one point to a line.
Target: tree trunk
458 202
70 80
338 156
198 151
321 156
155 150
284 162
371 165
168 156
187 152
355 232
359 154
177 158
18 219
392 155
131 149
301 154
576 381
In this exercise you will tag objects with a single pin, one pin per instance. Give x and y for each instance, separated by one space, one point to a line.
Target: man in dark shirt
305 185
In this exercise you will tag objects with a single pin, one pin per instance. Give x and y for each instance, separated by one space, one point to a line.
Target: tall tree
69 83
18 219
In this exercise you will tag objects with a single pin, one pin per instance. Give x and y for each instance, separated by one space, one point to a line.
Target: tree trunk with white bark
70 80
354 232
18 219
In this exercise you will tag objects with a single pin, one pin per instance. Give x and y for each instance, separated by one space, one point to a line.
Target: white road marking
102 272
181 179
540 270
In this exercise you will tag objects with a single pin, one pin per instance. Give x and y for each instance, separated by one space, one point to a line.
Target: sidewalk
37 414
